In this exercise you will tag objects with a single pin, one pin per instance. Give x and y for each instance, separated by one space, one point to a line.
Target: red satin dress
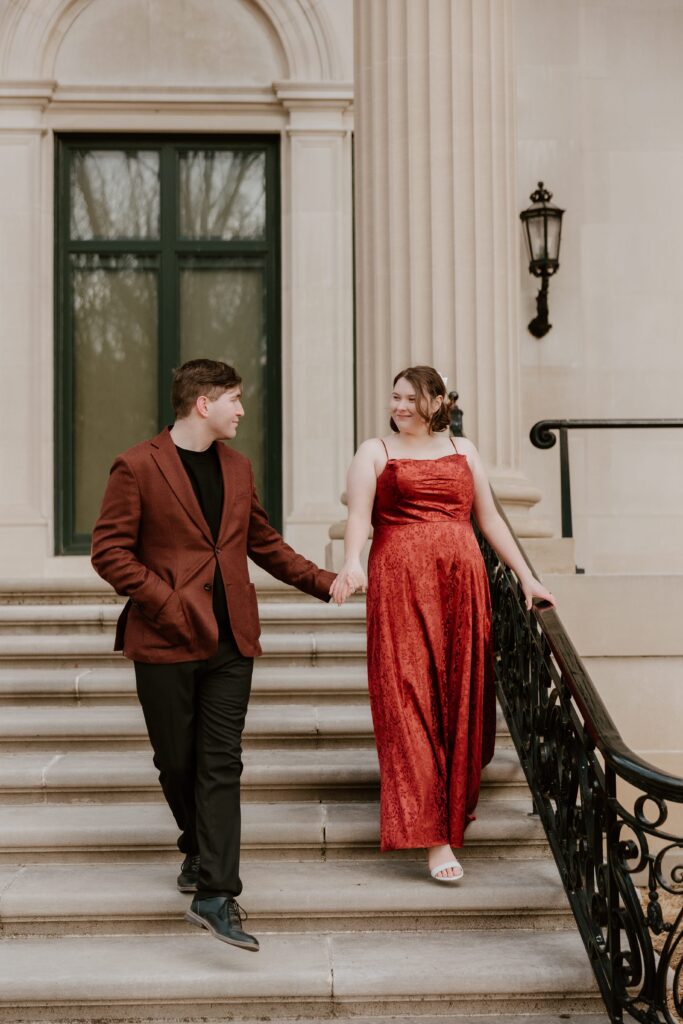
430 665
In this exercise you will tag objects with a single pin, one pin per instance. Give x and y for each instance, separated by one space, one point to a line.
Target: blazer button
217 550
207 586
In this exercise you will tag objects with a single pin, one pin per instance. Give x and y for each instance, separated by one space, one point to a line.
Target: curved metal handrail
572 755
599 723
541 436
606 843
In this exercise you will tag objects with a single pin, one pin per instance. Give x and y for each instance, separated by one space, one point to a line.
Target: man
178 519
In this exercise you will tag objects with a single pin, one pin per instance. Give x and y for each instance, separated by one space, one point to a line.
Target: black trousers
195 713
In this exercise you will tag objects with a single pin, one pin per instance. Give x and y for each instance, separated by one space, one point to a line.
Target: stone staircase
91 925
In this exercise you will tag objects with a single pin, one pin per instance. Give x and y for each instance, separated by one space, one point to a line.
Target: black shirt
204 471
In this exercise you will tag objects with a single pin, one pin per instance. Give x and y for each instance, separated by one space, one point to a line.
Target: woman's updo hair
428 384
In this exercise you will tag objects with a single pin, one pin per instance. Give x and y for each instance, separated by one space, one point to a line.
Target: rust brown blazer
153 545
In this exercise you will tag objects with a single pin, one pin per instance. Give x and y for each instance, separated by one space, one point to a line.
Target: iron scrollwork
615 855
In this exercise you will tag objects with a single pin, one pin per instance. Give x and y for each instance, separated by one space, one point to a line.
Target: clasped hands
350 579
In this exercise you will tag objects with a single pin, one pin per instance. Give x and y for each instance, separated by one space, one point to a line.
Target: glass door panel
114 194
222 194
167 250
115 382
222 317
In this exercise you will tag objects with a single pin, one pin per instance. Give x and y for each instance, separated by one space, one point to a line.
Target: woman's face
404 408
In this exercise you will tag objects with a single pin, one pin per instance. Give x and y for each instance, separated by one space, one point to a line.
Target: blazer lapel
168 461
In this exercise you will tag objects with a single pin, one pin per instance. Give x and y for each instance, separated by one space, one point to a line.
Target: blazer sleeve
114 543
270 551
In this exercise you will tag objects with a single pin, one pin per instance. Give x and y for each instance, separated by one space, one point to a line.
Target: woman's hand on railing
535 591
350 579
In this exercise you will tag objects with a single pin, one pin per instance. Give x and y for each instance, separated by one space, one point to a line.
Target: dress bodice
423 491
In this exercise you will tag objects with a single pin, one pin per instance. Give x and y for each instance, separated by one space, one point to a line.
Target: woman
430 666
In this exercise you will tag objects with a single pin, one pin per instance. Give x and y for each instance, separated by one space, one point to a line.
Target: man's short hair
200 377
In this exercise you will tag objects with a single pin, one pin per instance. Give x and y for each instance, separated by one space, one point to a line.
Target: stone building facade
460 107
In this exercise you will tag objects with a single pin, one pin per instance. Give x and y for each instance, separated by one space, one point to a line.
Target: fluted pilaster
436 221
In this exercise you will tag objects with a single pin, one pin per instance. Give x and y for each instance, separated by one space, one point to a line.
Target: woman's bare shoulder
465 446
371 448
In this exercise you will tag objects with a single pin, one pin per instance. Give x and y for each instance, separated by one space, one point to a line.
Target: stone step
87 649
52 619
281 895
555 1017
269 772
43 693
193 976
271 681
88 588
119 831
34 726
49 727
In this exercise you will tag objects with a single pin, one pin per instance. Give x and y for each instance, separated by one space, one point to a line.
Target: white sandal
443 867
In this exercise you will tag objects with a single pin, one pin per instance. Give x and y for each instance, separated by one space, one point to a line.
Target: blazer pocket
171 621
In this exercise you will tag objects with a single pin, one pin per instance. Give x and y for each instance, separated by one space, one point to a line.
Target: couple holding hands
179 517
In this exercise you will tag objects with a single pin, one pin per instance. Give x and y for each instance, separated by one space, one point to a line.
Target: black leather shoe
189 874
223 917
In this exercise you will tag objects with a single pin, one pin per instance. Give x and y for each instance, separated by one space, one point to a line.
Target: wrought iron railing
542 436
609 842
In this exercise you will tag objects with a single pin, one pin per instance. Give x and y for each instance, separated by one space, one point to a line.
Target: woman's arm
496 532
361 485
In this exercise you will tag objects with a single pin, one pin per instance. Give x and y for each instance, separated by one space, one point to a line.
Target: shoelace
242 915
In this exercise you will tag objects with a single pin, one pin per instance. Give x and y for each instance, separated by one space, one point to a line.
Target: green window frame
169 253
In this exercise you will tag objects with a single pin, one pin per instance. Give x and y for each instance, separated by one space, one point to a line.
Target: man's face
224 413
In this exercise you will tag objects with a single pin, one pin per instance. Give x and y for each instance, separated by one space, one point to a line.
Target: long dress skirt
430 665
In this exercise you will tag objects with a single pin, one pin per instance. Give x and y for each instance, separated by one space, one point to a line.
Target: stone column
317 307
26 345
437 227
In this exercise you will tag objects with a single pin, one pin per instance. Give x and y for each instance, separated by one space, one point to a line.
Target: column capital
23 104
314 93
316 106
26 91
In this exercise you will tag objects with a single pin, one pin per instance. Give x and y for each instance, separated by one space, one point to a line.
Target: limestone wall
599 91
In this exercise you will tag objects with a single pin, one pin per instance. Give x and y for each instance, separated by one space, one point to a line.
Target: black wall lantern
542 228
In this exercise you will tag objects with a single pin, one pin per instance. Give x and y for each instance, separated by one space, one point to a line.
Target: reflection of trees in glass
112 302
222 194
113 296
221 317
115 381
114 194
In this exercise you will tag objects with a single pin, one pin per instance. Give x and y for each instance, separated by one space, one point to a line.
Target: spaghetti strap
453 443
384 446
